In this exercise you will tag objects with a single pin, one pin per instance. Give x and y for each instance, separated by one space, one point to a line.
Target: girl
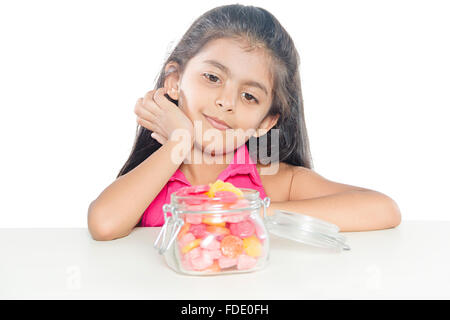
234 70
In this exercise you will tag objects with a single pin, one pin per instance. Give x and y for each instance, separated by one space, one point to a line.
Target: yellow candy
219 185
214 221
191 245
252 246
216 186
235 190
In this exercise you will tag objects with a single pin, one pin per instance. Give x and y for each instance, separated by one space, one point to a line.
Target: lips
217 123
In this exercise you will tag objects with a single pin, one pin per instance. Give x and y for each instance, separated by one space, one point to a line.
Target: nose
225 101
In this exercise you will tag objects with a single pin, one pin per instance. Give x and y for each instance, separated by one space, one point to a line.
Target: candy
252 246
219 185
193 218
215 267
218 230
213 254
198 230
259 229
231 246
246 262
215 220
213 187
210 243
227 196
194 253
241 203
196 199
229 187
186 263
242 229
225 262
194 189
183 230
195 195
202 262
184 240
191 245
236 217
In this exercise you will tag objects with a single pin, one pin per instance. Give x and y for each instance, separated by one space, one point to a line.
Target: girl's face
227 82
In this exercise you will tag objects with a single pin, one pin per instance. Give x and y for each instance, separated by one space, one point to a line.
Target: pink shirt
241 172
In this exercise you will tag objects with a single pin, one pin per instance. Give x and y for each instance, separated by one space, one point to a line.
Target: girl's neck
202 168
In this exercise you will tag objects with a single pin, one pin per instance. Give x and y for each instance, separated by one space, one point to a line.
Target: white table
411 261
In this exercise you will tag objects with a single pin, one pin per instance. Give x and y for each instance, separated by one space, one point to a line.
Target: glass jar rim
251 195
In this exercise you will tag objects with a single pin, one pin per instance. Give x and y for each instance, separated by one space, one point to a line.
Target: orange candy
214 267
184 229
231 246
191 245
252 246
218 230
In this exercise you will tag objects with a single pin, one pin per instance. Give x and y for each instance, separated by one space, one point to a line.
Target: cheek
190 99
248 119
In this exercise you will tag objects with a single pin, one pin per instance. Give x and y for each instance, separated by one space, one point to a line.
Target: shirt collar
242 164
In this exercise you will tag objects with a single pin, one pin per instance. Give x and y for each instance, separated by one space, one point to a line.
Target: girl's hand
158 114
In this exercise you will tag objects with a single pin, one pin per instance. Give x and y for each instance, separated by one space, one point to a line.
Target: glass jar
223 234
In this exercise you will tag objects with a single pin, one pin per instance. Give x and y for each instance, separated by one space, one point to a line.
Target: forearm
350 211
119 207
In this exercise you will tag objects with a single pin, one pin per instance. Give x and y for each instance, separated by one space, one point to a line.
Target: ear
266 125
172 79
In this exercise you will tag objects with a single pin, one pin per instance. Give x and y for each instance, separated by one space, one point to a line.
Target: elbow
98 229
394 216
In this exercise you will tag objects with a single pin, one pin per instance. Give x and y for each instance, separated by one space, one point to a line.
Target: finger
160 99
147 124
158 138
149 95
144 113
150 105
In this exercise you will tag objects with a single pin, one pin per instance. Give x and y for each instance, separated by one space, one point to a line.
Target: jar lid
305 229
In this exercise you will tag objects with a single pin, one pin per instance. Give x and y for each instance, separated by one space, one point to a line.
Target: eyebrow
227 71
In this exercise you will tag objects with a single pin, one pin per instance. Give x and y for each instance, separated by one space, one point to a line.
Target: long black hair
258 27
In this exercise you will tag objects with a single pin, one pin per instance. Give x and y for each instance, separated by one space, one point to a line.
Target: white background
375 80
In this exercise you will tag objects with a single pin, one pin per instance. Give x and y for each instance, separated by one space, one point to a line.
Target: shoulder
276 180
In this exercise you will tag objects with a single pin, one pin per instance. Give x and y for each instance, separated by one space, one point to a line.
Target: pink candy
236 217
193 190
196 194
210 243
242 229
193 218
259 230
246 262
225 262
197 199
198 230
186 263
241 203
214 254
203 261
188 237
226 196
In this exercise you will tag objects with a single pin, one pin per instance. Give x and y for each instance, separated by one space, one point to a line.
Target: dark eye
251 97
210 76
